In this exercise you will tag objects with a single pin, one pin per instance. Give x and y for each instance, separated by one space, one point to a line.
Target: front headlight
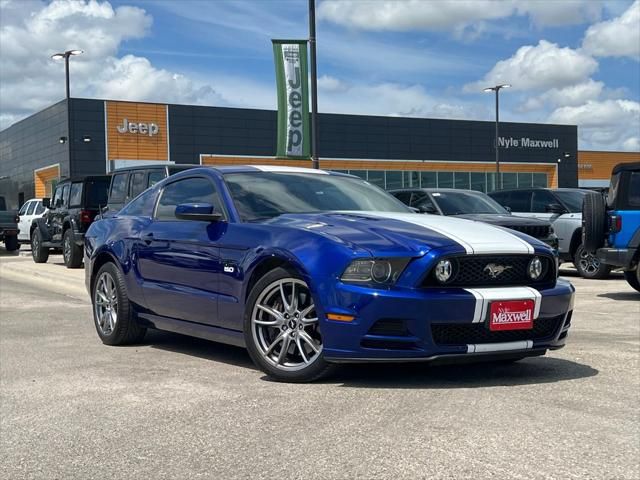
535 268
376 271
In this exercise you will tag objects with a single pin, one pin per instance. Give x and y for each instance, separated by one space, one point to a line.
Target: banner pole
314 85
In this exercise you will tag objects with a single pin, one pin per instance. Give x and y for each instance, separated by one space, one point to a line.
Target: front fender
41 225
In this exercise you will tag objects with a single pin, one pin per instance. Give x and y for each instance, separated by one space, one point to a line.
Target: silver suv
563 208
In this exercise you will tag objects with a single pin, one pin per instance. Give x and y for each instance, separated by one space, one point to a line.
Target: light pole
66 55
314 85
497 89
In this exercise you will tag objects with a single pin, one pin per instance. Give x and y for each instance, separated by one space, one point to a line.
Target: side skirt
206 332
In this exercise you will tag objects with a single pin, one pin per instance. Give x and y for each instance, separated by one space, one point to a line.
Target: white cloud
631 144
573 95
618 37
328 83
539 67
29 80
403 15
602 124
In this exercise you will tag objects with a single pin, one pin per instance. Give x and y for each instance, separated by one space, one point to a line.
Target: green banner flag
292 82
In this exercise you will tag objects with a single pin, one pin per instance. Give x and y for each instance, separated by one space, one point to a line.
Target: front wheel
113 313
281 329
589 266
633 277
39 253
11 243
71 253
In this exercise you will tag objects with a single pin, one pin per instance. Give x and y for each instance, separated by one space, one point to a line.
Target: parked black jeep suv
75 204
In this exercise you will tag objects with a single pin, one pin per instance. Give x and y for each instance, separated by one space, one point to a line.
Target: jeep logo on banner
293 98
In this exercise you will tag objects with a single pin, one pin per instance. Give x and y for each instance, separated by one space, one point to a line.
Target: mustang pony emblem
493 269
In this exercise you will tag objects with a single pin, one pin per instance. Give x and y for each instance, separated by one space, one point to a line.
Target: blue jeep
611 228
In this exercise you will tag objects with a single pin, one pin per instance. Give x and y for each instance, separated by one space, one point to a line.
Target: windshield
96 192
572 199
264 195
458 203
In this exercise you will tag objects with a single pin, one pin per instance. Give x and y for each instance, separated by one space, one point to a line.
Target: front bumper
619 257
439 324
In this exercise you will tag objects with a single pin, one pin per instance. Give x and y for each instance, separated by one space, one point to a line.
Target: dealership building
83 137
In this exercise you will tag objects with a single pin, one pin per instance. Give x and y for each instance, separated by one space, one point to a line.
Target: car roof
226 169
82 179
629 166
156 166
436 190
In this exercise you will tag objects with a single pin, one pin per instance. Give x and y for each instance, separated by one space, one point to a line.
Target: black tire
39 253
633 277
124 329
11 243
589 266
71 253
594 221
317 367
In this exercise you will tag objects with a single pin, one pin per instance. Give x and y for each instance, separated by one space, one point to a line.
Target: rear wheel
11 243
39 253
71 253
633 277
281 329
589 266
113 314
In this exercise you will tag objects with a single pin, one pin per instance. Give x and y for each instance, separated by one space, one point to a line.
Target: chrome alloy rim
588 262
66 248
105 303
284 325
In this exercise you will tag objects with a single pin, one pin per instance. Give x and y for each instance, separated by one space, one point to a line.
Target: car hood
390 233
504 220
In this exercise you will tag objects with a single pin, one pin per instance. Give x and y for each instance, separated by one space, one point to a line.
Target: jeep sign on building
391 152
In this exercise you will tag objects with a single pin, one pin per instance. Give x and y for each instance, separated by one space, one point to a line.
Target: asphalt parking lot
176 407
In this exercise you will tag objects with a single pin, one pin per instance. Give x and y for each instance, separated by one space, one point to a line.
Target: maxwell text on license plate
511 315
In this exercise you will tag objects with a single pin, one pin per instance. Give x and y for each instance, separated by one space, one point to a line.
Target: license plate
511 315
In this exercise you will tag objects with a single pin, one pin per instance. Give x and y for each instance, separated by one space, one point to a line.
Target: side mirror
46 202
555 208
508 209
203 212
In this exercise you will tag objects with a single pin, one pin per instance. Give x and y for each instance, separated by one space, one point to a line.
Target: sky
569 61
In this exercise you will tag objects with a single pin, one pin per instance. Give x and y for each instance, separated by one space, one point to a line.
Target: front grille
473 271
535 231
471 333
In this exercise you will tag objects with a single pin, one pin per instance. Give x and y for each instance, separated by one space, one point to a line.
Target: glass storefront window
412 179
429 179
479 181
540 180
509 180
525 180
394 179
491 182
377 177
359 173
445 179
461 180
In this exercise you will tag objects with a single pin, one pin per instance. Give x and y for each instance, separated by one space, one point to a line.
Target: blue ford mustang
308 269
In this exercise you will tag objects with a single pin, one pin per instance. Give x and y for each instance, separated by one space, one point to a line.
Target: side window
57 197
422 201
634 189
189 190
118 188
75 197
541 198
39 208
32 207
24 208
142 206
65 195
519 201
404 197
137 184
155 176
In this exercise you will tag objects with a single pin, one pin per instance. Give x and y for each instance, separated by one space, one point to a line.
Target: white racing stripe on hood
475 237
